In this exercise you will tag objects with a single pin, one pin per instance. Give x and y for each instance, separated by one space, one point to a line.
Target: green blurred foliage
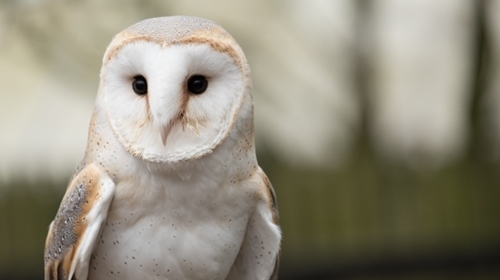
371 214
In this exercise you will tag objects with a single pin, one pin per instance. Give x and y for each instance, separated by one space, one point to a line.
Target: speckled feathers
169 187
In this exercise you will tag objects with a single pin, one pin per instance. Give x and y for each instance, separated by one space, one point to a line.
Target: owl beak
165 131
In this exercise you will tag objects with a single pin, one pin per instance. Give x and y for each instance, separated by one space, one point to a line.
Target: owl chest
174 233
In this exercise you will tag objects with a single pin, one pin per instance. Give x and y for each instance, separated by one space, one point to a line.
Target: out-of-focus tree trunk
489 105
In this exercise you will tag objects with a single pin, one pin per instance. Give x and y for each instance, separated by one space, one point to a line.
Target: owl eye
140 85
197 84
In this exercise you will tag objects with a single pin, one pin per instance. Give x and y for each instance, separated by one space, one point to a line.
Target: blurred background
378 123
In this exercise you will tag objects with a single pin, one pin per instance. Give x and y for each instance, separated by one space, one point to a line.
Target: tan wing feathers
70 224
270 195
273 205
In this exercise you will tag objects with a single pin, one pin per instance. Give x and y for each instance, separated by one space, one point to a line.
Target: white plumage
170 179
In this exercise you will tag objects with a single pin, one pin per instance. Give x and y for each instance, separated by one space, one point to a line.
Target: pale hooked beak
165 131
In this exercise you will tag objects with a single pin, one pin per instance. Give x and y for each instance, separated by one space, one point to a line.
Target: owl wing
258 257
75 229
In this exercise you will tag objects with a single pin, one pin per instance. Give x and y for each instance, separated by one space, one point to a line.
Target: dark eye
140 85
197 84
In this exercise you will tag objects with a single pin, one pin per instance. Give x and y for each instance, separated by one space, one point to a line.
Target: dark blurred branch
361 74
480 68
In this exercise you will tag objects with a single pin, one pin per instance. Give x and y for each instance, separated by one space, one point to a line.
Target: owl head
173 88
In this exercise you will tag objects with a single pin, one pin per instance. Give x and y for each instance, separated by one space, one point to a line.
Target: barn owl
169 187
